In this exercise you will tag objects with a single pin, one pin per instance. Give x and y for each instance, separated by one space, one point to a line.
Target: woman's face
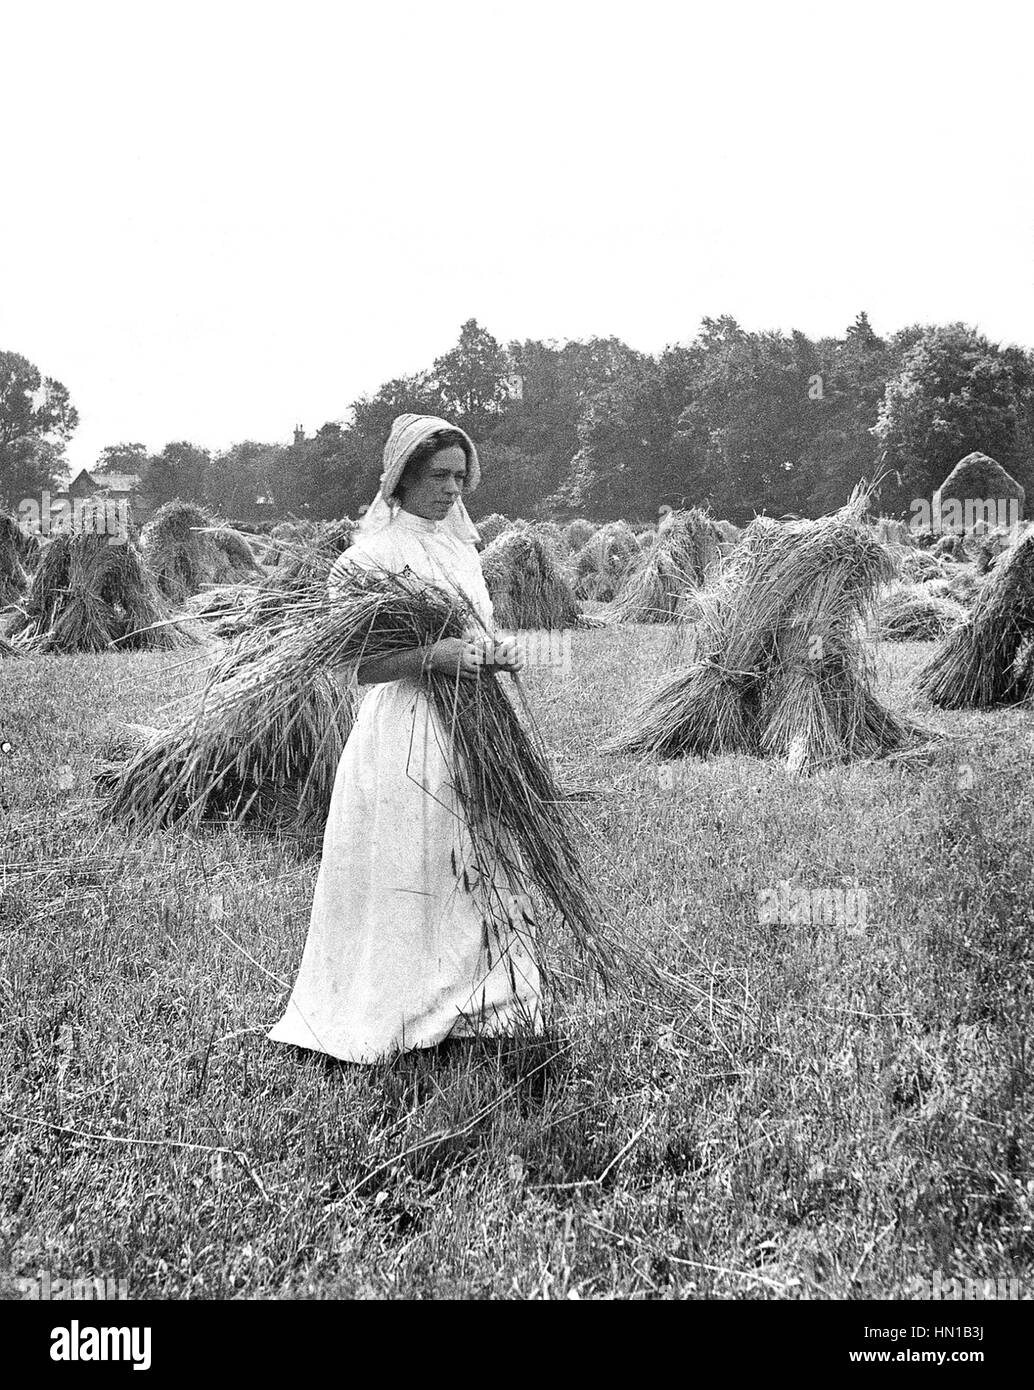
438 487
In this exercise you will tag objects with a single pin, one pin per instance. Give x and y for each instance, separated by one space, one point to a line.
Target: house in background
118 487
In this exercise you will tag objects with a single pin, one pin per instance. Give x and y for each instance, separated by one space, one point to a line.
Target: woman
398 954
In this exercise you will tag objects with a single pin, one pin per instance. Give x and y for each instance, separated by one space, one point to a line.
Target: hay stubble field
833 1113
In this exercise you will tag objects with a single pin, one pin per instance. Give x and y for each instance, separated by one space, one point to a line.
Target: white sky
219 219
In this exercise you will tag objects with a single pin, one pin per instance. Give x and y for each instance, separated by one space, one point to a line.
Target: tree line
734 420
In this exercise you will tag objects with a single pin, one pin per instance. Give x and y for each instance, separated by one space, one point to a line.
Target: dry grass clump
778 664
603 561
7 648
989 659
525 582
684 555
180 550
88 595
916 613
492 526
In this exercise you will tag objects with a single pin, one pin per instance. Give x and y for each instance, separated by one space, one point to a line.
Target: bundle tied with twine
88 595
577 532
600 565
526 584
235 560
778 663
551 533
683 557
492 526
989 659
259 743
178 544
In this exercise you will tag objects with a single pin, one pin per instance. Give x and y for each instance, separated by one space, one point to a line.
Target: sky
221 220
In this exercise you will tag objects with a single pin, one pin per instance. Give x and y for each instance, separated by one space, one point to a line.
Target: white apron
397 954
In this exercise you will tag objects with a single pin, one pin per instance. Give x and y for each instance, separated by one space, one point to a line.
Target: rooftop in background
97 479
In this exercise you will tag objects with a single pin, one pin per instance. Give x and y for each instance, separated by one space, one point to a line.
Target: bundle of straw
316 547
262 742
179 549
492 526
963 585
977 476
684 555
919 565
603 561
88 595
577 532
950 548
916 613
526 584
891 531
552 537
778 664
986 544
302 565
989 659
14 552
32 553
281 531
235 560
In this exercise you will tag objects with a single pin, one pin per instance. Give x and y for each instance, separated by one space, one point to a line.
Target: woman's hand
472 656
455 656
507 654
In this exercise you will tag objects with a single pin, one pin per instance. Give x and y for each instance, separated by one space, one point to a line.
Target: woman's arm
452 656
402 666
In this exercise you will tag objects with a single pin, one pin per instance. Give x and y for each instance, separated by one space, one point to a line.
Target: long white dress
398 955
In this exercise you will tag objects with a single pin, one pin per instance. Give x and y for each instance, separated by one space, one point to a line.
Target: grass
831 1113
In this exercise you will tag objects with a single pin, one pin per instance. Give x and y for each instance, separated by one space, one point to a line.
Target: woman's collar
409 521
